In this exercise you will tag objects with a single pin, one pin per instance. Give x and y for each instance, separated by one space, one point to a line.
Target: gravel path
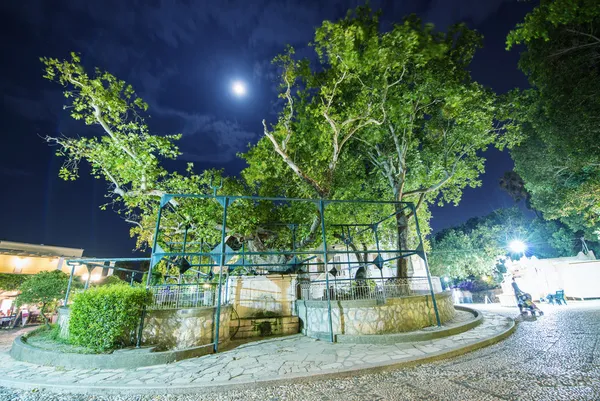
556 357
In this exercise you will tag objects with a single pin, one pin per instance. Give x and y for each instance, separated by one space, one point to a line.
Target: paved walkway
7 336
284 358
556 357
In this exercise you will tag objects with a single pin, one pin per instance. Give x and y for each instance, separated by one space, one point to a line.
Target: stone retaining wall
360 317
184 328
263 327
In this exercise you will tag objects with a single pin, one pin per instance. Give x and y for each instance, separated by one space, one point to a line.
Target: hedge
12 282
106 317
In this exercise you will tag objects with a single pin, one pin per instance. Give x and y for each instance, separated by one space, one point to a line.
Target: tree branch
315 185
438 185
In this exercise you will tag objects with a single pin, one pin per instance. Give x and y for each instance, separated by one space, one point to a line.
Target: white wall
578 276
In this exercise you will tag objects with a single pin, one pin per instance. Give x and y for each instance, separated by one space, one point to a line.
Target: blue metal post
156 232
222 263
322 211
348 242
87 282
375 226
424 256
69 285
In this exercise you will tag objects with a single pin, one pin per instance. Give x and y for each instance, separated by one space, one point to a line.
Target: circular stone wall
178 329
361 317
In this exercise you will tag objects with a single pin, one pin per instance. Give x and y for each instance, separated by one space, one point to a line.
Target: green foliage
45 288
550 15
383 115
560 160
12 282
105 317
460 254
478 247
157 278
129 157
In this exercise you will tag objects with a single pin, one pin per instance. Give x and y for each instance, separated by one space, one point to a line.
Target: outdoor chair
559 297
5 322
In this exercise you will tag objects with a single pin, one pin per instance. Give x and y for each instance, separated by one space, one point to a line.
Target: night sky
181 57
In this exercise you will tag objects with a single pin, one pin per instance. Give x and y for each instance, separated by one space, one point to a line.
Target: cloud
206 138
165 47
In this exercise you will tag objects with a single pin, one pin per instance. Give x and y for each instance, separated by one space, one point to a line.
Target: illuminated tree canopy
560 158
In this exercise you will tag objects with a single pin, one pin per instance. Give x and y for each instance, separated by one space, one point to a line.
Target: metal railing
173 296
372 288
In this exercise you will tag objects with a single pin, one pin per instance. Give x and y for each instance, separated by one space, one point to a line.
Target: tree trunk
43 315
401 242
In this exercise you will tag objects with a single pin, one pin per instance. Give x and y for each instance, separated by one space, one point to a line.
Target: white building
578 276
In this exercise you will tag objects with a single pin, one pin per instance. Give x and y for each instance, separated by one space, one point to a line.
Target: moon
238 88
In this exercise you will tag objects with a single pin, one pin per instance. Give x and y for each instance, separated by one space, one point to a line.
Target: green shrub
157 278
12 282
106 317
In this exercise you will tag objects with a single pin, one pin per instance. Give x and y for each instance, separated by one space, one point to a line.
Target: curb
296 378
21 351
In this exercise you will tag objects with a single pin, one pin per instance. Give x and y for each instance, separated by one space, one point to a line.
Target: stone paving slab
261 362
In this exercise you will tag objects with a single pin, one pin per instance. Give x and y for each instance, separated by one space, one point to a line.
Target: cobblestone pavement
278 358
556 357
7 336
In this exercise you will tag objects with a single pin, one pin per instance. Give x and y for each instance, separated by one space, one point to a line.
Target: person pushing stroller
524 301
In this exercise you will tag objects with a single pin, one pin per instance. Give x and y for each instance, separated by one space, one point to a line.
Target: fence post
424 256
69 285
222 262
154 245
322 211
87 282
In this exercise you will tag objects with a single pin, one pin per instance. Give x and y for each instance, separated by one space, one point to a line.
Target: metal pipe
222 262
183 249
435 308
277 199
375 227
156 232
87 282
322 211
69 285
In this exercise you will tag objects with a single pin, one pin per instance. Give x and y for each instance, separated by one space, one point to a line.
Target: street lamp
518 247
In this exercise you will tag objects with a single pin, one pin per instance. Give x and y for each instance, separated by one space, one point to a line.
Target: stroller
526 305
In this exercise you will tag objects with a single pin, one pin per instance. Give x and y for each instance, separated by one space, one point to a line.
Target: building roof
33 250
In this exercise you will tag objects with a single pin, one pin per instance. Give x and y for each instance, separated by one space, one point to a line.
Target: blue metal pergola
215 261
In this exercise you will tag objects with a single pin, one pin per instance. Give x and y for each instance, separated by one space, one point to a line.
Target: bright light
517 246
21 262
95 277
446 279
238 88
